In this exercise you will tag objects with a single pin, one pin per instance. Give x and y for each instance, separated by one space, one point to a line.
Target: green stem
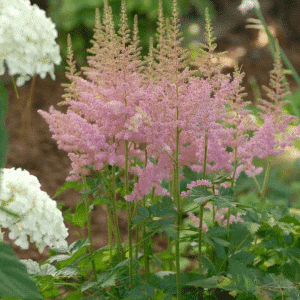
200 239
138 227
88 217
228 237
129 218
213 214
146 243
255 89
146 255
228 217
266 179
201 205
110 234
170 242
115 216
177 201
257 184
205 155
15 88
213 225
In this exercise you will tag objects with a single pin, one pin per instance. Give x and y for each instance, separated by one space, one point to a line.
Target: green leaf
164 280
207 283
207 263
137 220
219 241
77 249
164 209
143 211
203 200
68 185
47 286
79 217
9 212
246 257
291 270
149 289
294 97
243 276
171 231
165 255
74 296
240 236
290 220
107 279
15 281
136 293
101 201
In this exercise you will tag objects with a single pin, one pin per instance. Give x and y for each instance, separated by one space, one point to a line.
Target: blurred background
40 155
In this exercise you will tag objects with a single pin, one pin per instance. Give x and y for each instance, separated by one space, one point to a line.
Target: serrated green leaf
220 241
68 185
149 289
243 276
137 219
203 200
135 293
143 211
208 283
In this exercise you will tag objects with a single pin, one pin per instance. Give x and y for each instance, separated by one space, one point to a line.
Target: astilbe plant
197 122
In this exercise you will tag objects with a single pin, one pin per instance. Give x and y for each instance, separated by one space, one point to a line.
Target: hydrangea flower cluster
27 210
27 41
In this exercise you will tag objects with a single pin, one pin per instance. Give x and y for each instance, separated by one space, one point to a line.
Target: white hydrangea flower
40 218
27 41
248 5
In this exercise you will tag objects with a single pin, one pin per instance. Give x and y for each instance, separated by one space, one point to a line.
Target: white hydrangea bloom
40 218
248 5
27 41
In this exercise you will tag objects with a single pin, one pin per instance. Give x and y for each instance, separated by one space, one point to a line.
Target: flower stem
146 242
213 225
88 217
178 204
15 88
129 217
201 205
200 239
170 242
266 179
110 233
115 216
